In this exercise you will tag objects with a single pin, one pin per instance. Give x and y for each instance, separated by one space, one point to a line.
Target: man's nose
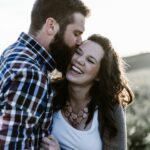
79 40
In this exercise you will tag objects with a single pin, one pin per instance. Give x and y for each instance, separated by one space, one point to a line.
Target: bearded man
25 88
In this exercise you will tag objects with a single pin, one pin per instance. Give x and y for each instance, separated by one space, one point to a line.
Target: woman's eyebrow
80 49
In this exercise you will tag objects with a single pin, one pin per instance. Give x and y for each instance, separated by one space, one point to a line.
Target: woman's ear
52 26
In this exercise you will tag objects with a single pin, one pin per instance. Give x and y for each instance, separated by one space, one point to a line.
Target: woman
90 102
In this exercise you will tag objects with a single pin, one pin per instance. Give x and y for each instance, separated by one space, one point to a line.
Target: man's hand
49 143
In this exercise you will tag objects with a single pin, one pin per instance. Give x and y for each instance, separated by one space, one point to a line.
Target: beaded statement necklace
75 118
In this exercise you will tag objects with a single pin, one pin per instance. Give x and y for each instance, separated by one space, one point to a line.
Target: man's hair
61 10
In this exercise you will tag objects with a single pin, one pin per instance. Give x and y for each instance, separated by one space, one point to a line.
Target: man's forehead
79 23
79 18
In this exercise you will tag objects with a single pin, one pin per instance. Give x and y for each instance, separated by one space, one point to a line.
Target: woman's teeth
77 70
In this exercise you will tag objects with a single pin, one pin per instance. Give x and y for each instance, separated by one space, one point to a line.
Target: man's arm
23 102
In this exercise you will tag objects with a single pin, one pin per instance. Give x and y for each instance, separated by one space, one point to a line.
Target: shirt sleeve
120 117
24 98
120 141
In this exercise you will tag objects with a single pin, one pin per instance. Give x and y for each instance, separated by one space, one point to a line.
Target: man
25 89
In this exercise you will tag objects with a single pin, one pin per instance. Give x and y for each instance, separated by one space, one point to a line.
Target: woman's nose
81 60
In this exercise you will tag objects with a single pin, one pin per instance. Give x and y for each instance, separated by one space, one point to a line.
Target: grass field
138 114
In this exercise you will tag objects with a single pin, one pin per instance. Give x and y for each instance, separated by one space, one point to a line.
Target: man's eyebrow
78 31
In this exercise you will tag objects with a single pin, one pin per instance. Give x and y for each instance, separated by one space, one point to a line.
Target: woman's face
85 63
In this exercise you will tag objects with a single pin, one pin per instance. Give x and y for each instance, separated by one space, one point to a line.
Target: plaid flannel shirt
25 94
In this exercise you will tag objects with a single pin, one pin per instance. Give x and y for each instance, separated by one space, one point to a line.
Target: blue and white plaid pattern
25 94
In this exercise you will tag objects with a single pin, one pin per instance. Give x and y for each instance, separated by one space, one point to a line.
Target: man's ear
52 27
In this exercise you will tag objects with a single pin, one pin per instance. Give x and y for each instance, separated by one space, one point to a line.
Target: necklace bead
75 119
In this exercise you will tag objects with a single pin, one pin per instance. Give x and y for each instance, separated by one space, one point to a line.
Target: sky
125 22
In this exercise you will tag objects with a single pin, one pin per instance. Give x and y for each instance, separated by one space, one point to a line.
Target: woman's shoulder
119 108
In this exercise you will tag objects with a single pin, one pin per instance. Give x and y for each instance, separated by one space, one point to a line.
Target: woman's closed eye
91 60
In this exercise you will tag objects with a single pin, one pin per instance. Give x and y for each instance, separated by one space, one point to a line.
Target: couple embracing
85 109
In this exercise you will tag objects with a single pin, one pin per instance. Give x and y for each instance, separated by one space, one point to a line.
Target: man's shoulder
17 55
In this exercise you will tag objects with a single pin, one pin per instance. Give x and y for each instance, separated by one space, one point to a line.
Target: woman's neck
76 110
78 96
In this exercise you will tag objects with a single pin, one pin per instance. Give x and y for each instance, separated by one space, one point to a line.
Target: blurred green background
138 114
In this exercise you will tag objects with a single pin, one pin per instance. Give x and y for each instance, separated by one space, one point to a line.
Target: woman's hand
49 143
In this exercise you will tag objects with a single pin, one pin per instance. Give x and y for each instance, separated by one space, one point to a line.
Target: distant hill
136 62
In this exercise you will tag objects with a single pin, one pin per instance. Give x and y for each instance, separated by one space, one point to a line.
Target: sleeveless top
70 138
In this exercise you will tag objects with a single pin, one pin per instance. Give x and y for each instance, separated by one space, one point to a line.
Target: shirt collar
40 51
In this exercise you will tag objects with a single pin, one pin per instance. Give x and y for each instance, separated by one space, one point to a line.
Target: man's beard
61 53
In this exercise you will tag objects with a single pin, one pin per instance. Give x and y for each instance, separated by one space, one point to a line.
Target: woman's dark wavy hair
112 84
106 91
